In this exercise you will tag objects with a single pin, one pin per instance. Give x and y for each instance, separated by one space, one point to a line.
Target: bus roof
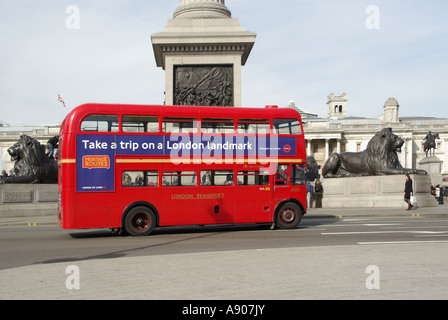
79 113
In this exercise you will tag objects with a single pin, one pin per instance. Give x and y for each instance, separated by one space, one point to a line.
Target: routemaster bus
135 168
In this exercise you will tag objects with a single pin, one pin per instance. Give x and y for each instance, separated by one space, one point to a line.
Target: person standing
309 193
4 175
408 192
52 145
318 193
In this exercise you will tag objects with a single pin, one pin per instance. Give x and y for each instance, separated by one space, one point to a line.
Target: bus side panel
179 206
298 192
66 181
92 217
253 204
66 214
216 205
92 210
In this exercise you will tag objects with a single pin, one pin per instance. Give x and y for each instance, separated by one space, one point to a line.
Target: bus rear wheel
140 221
289 216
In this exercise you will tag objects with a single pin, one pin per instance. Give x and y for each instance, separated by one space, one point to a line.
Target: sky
304 50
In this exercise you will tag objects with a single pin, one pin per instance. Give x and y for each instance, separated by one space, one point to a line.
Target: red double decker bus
135 168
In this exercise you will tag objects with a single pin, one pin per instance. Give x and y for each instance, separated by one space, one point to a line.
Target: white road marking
402 242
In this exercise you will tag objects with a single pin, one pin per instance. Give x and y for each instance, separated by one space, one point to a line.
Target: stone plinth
375 192
22 200
433 166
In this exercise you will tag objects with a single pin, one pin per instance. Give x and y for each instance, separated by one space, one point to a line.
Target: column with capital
202 9
308 147
202 50
327 149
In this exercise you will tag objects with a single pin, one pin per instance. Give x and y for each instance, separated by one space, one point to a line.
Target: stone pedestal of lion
373 177
375 192
28 200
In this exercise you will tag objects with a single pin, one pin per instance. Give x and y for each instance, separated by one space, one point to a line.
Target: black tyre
288 216
140 221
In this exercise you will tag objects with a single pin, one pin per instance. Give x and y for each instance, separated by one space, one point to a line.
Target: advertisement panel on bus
96 153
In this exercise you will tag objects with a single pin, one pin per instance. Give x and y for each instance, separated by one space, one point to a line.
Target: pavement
295 273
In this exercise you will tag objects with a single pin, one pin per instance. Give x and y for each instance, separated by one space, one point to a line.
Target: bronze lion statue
380 158
31 164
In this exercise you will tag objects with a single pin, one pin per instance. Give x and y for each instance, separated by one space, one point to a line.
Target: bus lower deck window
217 178
298 175
253 178
179 179
140 179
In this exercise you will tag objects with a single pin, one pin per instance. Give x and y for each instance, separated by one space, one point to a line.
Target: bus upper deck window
147 124
209 125
255 126
287 126
100 123
179 125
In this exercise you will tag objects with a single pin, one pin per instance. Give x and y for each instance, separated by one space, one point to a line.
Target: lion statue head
382 150
380 158
31 164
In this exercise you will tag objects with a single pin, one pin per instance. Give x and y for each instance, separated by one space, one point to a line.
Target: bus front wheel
289 216
140 221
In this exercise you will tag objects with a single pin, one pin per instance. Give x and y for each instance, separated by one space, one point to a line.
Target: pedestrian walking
408 192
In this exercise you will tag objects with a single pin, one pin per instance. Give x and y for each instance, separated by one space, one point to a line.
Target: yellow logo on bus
96 162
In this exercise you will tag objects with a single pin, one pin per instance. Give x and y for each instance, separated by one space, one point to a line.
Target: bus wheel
289 216
140 221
